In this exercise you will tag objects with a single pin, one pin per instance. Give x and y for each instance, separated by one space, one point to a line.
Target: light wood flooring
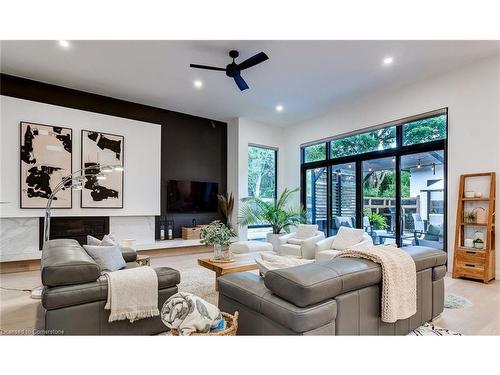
22 314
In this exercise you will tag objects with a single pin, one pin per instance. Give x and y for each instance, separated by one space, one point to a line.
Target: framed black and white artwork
105 190
45 160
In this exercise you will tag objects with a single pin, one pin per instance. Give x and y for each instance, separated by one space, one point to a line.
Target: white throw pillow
347 237
306 231
108 258
92 241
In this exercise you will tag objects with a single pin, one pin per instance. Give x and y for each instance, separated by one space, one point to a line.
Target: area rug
429 329
452 301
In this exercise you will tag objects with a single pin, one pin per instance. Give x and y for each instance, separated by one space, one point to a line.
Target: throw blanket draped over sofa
399 279
132 294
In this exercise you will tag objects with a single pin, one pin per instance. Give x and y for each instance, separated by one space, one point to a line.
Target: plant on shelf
278 214
469 217
218 235
377 221
226 204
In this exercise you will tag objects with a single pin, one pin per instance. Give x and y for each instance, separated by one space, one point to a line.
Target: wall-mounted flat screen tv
192 196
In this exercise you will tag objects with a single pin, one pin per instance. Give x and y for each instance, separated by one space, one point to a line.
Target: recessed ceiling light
64 43
388 60
198 84
279 108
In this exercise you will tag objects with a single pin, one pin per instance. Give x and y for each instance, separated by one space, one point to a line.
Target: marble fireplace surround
19 237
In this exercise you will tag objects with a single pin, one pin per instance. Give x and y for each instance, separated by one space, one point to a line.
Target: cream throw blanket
399 279
132 294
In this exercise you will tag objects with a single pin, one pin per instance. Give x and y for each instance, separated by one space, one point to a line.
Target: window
315 153
390 181
381 139
426 130
262 172
262 182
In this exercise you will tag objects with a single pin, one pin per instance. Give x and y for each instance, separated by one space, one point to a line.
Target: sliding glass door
422 199
379 199
390 181
316 197
343 196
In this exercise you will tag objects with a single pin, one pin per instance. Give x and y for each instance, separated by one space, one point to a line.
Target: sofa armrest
323 245
308 246
129 254
286 237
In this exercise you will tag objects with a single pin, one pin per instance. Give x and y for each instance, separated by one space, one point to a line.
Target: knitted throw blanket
132 294
399 279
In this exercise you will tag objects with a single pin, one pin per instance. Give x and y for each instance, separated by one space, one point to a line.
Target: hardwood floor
19 314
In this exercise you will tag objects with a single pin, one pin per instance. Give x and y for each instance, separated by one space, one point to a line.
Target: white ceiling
306 77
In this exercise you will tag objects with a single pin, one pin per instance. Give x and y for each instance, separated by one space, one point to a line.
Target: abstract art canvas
46 156
99 149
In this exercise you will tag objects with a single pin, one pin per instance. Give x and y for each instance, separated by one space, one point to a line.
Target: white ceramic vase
274 239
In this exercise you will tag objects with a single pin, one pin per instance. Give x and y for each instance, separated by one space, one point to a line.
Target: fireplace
75 227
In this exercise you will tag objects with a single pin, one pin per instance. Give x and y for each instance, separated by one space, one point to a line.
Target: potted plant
376 220
469 217
276 213
218 235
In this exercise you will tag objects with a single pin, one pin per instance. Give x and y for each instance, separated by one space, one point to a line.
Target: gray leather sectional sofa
75 293
332 297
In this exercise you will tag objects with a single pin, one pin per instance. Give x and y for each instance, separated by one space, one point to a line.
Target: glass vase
217 251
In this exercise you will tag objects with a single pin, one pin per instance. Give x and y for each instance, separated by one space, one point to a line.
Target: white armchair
325 249
302 242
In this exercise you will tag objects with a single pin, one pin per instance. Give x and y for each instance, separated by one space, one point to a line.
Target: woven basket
230 330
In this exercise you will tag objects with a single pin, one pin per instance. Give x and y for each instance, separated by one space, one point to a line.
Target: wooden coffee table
242 262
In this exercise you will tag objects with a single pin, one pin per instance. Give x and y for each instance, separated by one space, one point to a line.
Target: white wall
472 95
243 132
142 150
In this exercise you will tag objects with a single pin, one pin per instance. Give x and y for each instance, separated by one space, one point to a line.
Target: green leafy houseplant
377 221
276 213
216 233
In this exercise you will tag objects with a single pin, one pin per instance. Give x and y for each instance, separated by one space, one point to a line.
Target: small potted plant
469 217
218 235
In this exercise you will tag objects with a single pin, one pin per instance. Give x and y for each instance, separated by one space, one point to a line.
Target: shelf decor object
476 261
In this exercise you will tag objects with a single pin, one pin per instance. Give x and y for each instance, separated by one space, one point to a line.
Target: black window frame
397 152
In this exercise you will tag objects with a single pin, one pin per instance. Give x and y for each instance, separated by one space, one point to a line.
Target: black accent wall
192 148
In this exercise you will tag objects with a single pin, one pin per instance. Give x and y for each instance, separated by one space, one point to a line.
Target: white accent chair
326 249
301 243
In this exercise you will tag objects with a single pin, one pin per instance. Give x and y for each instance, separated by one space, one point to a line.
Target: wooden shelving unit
472 262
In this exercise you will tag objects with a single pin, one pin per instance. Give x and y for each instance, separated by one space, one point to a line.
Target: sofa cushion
248 289
312 283
326 254
64 296
306 231
241 247
290 249
347 237
65 262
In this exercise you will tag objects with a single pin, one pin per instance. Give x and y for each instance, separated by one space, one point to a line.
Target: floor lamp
74 181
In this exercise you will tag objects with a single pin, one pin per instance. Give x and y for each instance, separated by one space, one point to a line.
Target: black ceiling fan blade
254 60
206 67
240 82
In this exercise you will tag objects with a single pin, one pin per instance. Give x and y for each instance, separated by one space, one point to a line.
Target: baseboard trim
19 266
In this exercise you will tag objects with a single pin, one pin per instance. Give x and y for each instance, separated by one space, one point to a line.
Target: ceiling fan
233 70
